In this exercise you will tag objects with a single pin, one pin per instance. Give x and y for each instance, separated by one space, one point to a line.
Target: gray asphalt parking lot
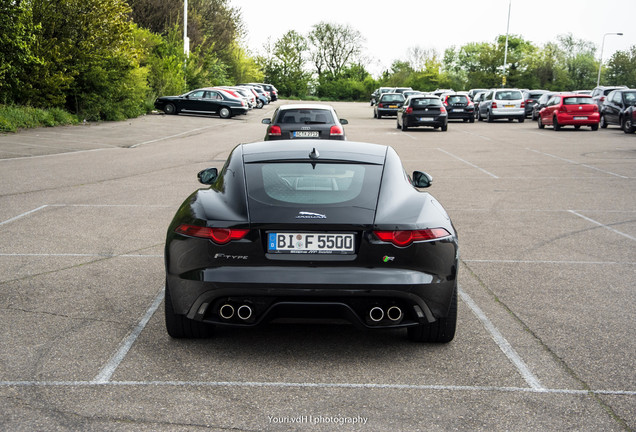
545 337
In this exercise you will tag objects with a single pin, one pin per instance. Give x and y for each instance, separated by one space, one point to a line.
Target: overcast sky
390 28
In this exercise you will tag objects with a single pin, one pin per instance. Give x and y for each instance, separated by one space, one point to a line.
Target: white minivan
502 103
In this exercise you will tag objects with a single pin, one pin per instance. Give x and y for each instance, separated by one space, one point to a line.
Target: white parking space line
171 136
106 373
66 153
602 225
503 344
23 214
79 255
577 163
250 384
468 163
500 261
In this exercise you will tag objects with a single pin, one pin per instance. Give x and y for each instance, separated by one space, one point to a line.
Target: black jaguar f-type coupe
312 229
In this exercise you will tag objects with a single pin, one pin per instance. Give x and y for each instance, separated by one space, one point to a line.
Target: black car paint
432 114
614 106
200 274
188 103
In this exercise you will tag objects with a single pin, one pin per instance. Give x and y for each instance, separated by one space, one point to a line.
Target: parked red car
569 110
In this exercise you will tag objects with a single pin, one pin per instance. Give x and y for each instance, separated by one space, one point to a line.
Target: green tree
579 63
334 47
621 68
286 67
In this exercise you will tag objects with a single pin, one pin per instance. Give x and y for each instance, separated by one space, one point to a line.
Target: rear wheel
404 126
225 112
379 116
540 123
489 118
594 127
441 331
444 127
180 327
628 125
603 122
522 119
555 124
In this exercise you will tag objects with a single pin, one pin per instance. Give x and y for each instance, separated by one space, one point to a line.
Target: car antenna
314 154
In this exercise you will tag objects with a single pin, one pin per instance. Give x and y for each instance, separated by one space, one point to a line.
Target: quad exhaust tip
226 311
244 312
376 314
394 313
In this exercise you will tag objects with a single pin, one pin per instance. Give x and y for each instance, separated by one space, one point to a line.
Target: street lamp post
503 80
600 61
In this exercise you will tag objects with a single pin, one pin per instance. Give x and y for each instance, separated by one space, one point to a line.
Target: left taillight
274 131
406 237
336 131
217 235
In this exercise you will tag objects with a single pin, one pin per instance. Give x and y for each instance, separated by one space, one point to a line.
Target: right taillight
274 131
494 104
409 110
406 237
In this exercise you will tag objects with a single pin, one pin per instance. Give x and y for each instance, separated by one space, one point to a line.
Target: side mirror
343 121
422 179
208 176
266 121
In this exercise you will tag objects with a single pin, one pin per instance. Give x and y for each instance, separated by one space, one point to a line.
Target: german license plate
305 134
311 243
509 106
393 106
580 118
458 110
426 119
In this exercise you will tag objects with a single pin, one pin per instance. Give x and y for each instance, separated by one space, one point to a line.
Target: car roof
327 151
305 106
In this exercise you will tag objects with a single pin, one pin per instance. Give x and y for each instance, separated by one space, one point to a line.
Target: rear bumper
418 120
578 120
295 292
509 113
387 111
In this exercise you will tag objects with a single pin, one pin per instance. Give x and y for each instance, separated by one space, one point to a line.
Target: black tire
522 119
577 127
479 116
471 120
444 127
259 104
225 112
489 118
441 331
534 116
628 125
540 123
180 327
555 124
404 126
170 109
594 127
603 122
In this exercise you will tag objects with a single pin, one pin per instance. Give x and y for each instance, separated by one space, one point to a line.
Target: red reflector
218 235
274 130
405 238
336 130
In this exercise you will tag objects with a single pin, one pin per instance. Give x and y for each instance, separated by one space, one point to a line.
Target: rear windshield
457 99
305 116
392 98
425 102
577 100
508 95
293 183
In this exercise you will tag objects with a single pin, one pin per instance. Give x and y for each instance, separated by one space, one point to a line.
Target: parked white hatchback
502 103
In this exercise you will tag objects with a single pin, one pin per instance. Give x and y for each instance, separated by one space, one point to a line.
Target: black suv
599 93
615 105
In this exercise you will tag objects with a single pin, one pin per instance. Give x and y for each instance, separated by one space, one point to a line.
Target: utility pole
186 39
503 80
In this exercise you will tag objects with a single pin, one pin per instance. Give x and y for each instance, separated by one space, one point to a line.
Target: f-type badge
309 215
